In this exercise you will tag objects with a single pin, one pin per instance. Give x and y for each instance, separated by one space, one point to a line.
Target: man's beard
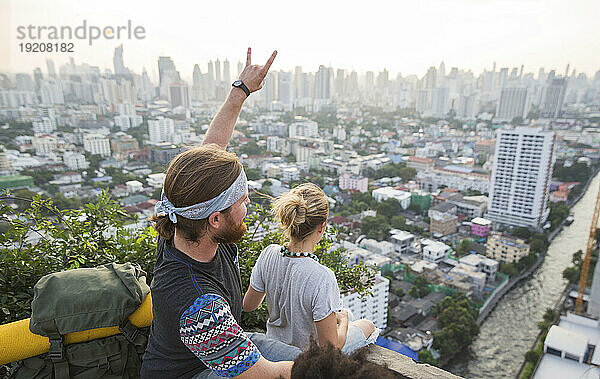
233 233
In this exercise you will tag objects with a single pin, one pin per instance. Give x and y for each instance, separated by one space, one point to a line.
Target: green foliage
68 239
118 176
532 356
509 269
458 321
577 172
558 213
253 173
464 247
425 356
389 208
572 273
251 148
375 227
420 288
395 169
359 202
547 320
521 232
399 292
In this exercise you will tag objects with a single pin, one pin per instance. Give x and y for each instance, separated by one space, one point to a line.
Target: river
511 328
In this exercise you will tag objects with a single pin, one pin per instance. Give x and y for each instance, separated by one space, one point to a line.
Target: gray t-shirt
298 291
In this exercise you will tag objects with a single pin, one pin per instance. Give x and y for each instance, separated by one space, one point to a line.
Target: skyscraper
523 164
323 83
226 72
514 102
197 83
167 74
218 72
440 102
430 77
285 89
118 61
179 94
51 70
553 96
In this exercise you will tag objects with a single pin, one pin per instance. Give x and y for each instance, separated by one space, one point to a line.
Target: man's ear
215 219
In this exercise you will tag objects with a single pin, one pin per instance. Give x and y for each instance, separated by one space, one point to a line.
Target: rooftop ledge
405 366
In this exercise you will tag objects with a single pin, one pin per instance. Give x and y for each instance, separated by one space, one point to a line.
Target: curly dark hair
328 362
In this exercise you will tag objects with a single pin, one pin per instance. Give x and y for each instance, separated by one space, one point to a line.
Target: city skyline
508 33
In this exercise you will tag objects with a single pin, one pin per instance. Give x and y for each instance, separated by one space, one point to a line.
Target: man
196 290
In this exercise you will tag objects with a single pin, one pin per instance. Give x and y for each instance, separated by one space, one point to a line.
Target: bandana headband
202 210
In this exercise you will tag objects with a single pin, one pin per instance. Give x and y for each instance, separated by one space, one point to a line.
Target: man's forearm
221 127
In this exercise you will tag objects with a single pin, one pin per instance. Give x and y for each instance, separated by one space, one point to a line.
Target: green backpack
84 299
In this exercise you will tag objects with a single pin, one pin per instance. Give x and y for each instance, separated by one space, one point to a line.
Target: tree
521 232
532 356
420 288
571 274
399 292
389 208
253 173
464 247
425 356
509 269
458 321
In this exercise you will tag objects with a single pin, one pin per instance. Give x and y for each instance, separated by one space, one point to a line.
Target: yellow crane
585 267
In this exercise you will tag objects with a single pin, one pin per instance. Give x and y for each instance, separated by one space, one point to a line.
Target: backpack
84 299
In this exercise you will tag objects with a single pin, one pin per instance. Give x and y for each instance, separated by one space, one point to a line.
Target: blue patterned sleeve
210 331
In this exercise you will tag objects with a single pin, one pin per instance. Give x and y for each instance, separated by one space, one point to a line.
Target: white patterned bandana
203 210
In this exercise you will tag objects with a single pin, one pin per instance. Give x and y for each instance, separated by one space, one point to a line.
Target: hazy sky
402 36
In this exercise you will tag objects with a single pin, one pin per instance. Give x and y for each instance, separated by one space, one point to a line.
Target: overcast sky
402 36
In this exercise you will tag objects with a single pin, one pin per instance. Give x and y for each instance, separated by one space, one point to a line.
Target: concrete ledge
405 366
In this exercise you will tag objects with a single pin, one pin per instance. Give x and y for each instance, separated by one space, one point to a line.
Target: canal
511 328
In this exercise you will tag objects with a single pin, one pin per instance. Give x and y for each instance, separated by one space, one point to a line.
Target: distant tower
51 70
226 72
197 84
553 96
118 61
218 71
430 78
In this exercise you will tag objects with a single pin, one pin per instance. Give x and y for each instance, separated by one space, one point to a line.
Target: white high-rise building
519 190
75 161
44 144
553 96
514 102
440 104
96 144
285 89
372 307
44 125
305 128
161 130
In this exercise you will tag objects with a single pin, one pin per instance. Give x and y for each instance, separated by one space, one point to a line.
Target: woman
302 295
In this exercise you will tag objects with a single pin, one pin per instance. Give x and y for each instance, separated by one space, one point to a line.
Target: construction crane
585 267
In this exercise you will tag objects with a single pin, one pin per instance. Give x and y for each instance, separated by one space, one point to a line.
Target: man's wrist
237 95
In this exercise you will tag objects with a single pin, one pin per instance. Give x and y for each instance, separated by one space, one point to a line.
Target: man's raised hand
254 76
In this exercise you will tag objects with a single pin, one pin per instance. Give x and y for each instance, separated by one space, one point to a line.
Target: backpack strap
57 350
133 333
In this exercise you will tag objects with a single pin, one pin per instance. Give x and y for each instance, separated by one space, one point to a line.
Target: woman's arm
333 329
252 299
